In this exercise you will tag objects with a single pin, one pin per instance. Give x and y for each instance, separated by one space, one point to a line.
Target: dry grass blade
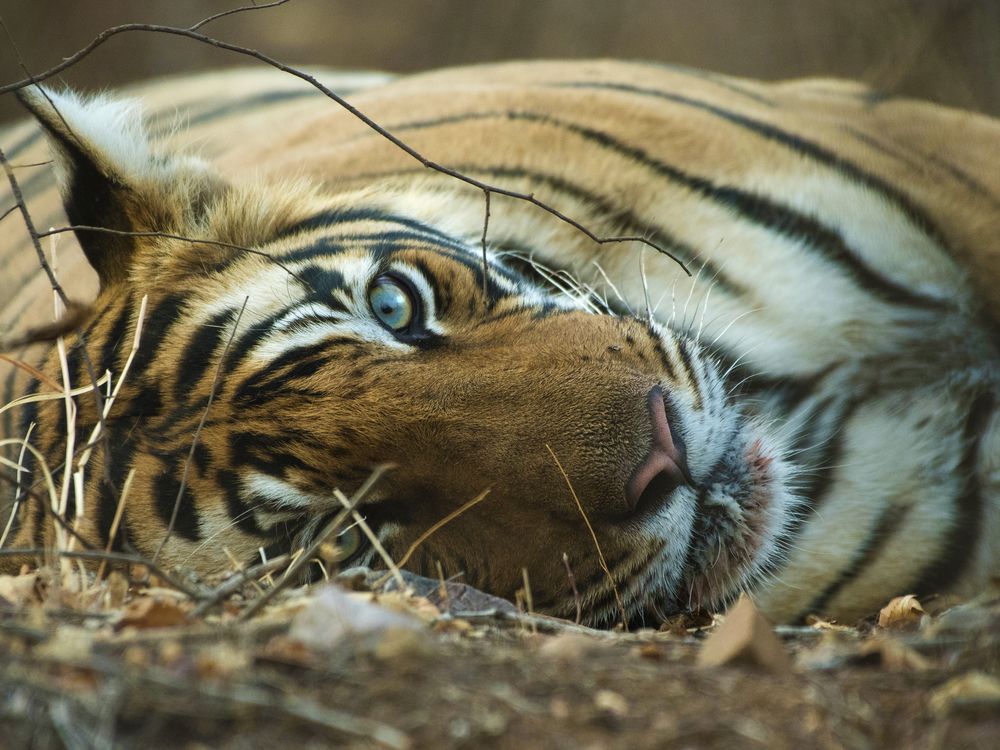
427 534
119 511
302 559
572 585
590 528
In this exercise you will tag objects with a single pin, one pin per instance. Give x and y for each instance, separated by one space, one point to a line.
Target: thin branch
486 226
15 188
233 11
486 187
233 584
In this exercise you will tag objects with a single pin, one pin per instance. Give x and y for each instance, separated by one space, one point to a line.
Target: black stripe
917 215
241 513
918 162
752 207
719 80
886 525
155 328
218 111
626 221
261 383
107 358
166 488
962 537
340 216
200 351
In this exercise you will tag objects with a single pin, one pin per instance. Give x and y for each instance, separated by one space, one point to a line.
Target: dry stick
189 33
8 212
303 559
232 584
168 236
197 432
572 585
486 226
586 520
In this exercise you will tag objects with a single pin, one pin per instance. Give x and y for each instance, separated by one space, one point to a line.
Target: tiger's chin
739 515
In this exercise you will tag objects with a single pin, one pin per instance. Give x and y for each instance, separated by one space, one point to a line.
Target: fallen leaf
901 612
970 693
20 590
745 637
153 612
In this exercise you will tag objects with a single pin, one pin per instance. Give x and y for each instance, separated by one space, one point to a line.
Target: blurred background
944 50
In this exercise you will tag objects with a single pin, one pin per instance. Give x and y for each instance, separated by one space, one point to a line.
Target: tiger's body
811 415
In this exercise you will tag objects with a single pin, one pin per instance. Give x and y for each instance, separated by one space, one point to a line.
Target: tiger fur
810 416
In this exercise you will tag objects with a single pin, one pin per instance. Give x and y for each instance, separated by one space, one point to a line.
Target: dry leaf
745 637
970 693
901 612
153 612
20 590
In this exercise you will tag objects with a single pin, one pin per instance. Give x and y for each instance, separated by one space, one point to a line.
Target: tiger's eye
392 303
348 543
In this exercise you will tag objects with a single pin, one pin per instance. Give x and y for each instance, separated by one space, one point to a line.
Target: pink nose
664 469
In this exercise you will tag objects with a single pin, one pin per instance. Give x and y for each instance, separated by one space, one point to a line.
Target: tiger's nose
664 468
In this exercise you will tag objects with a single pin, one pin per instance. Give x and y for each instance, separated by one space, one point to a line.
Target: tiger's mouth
735 515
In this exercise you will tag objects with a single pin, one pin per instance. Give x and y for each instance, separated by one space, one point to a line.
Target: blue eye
392 303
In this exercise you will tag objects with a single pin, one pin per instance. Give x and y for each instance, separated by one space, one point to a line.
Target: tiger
639 339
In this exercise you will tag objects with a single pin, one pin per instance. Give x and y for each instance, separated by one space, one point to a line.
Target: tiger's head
292 340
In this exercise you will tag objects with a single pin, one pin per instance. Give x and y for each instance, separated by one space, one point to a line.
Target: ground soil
124 665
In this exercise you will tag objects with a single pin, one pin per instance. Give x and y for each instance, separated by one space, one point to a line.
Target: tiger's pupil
391 303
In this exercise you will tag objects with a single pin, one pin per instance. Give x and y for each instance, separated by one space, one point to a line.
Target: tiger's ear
109 177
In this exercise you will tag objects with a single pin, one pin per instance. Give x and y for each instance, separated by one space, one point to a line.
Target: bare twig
486 226
180 237
486 187
233 584
590 528
197 432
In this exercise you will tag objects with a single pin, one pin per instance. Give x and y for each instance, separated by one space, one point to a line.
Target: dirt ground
131 664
